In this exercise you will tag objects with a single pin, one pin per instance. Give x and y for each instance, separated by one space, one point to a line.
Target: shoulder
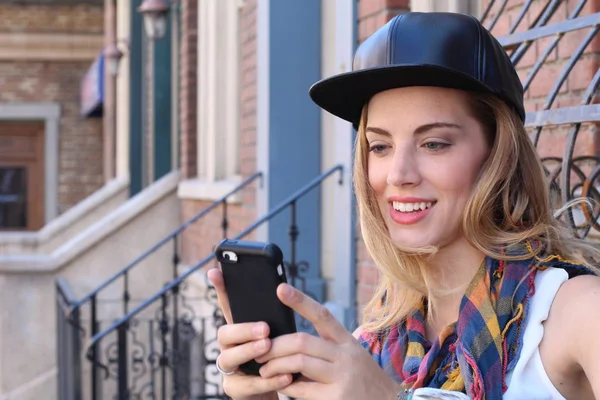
575 317
573 296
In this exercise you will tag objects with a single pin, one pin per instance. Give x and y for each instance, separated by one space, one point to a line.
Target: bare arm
578 304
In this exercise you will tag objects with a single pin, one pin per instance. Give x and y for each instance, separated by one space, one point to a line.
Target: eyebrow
419 131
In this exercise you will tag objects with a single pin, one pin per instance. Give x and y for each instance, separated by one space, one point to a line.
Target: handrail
176 282
65 291
165 240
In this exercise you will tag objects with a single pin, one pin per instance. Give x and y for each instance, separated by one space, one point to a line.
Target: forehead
406 106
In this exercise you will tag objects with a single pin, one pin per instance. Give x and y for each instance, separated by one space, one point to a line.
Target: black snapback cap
441 49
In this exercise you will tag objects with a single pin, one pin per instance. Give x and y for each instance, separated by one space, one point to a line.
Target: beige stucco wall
28 313
68 225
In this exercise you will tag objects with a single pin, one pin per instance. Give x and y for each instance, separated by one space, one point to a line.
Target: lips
407 211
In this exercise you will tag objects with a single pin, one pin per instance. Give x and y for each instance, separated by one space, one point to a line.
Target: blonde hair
510 204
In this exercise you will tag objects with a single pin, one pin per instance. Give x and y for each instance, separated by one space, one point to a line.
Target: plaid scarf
474 354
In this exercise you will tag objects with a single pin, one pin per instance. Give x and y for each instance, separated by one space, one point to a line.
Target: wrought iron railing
167 351
68 335
554 45
71 318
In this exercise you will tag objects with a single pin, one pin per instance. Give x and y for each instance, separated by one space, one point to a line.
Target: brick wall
188 90
80 169
552 141
199 240
51 18
374 13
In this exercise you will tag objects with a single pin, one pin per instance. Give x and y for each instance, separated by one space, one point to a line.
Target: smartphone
251 273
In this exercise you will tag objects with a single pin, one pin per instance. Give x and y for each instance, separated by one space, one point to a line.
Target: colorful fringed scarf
474 354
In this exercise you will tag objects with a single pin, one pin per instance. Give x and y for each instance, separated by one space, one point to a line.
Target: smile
411 207
409 213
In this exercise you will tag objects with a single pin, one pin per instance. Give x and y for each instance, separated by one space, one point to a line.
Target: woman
482 294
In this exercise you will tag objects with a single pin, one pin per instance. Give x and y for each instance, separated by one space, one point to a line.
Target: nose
404 171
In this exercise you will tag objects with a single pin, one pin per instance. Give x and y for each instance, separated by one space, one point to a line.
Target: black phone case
251 283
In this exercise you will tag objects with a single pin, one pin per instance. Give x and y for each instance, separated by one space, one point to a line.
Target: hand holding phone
239 343
252 271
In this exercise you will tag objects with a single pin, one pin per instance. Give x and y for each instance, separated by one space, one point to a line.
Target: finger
300 343
243 386
216 278
231 358
303 389
314 312
313 368
236 334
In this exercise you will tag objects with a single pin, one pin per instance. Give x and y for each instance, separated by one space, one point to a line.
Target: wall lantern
155 17
113 55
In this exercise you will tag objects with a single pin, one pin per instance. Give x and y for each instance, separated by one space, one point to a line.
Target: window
218 101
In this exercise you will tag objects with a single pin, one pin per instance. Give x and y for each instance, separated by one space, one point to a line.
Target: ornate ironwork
88 315
163 359
552 55
169 352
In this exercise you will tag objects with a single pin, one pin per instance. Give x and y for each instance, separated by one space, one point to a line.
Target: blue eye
435 146
378 148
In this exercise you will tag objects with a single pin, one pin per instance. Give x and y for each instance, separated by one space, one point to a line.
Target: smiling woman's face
425 153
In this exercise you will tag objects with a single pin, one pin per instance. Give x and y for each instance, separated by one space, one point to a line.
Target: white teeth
410 207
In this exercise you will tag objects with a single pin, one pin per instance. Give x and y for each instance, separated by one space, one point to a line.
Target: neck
447 276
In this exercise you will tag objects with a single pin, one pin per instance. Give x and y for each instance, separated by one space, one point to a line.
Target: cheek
377 177
459 178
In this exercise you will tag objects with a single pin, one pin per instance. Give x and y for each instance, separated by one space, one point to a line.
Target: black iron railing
562 120
69 337
173 333
71 321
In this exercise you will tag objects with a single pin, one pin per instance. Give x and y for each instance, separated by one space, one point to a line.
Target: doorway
21 175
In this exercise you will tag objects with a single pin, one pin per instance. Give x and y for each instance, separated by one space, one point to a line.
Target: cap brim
344 95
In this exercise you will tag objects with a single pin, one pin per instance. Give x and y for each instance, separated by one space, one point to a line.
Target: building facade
203 130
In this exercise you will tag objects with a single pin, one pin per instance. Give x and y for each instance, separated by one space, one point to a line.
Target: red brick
80 145
188 92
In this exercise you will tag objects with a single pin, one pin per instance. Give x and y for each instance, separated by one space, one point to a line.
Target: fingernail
258 329
284 379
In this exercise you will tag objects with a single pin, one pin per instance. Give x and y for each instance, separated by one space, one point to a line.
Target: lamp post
155 17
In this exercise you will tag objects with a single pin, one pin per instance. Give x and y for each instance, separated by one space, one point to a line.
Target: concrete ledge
197 189
50 46
94 233
66 220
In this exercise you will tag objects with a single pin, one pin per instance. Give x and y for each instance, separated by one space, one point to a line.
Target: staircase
165 346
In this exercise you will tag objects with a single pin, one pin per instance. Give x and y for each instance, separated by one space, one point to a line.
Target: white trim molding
218 138
218 90
263 100
337 228
50 114
49 46
472 7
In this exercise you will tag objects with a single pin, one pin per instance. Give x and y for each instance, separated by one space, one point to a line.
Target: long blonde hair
510 204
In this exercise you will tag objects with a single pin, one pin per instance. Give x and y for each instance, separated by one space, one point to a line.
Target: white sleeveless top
528 380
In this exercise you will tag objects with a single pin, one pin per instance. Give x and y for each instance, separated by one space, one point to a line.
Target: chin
405 239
